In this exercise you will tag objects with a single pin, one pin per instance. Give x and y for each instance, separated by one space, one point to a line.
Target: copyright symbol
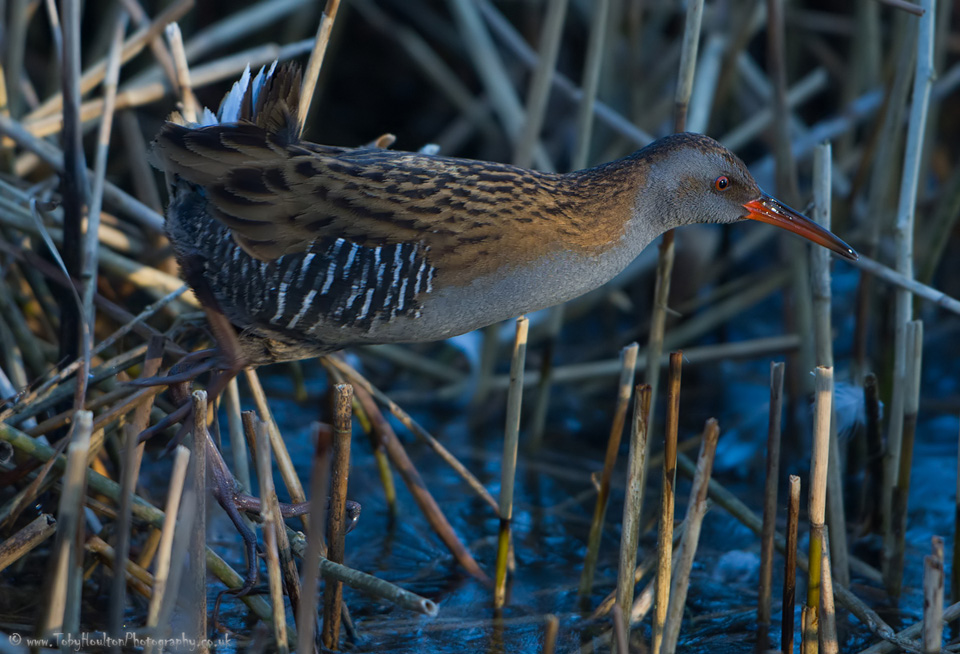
15 639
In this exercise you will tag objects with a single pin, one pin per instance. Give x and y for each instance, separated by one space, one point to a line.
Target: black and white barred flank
333 283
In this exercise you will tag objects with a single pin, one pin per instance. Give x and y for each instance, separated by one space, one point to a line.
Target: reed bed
111 540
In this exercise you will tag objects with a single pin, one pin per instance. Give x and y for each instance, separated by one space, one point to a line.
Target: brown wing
279 195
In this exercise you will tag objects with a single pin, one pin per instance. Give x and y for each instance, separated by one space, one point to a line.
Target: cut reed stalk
669 480
509 463
238 447
132 457
189 106
340 471
822 412
311 553
66 560
271 526
22 542
754 523
633 503
628 362
198 533
787 620
828 614
770 504
177 477
933 580
551 625
696 510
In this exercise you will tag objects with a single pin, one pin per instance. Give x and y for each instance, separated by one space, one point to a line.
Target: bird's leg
226 491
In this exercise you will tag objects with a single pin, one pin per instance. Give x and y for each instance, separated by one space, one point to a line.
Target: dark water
554 505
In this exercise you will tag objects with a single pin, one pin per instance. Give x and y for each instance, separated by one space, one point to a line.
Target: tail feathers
257 118
270 100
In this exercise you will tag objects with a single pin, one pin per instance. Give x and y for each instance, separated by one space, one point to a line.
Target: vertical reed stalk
696 510
903 239
823 410
190 108
790 568
550 628
198 540
73 188
509 465
132 456
823 348
770 504
636 474
665 529
65 558
312 72
628 363
933 580
88 275
333 589
272 523
898 546
955 567
665 254
873 506
621 635
828 614
170 511
319 480
238 447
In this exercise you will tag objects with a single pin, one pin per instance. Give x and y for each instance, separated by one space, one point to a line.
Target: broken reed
628 362
669 480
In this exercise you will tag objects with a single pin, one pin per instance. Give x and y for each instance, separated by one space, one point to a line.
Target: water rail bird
296 249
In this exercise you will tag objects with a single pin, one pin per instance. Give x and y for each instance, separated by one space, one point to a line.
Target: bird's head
703 182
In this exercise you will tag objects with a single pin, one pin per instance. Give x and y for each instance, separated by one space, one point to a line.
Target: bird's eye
721 183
